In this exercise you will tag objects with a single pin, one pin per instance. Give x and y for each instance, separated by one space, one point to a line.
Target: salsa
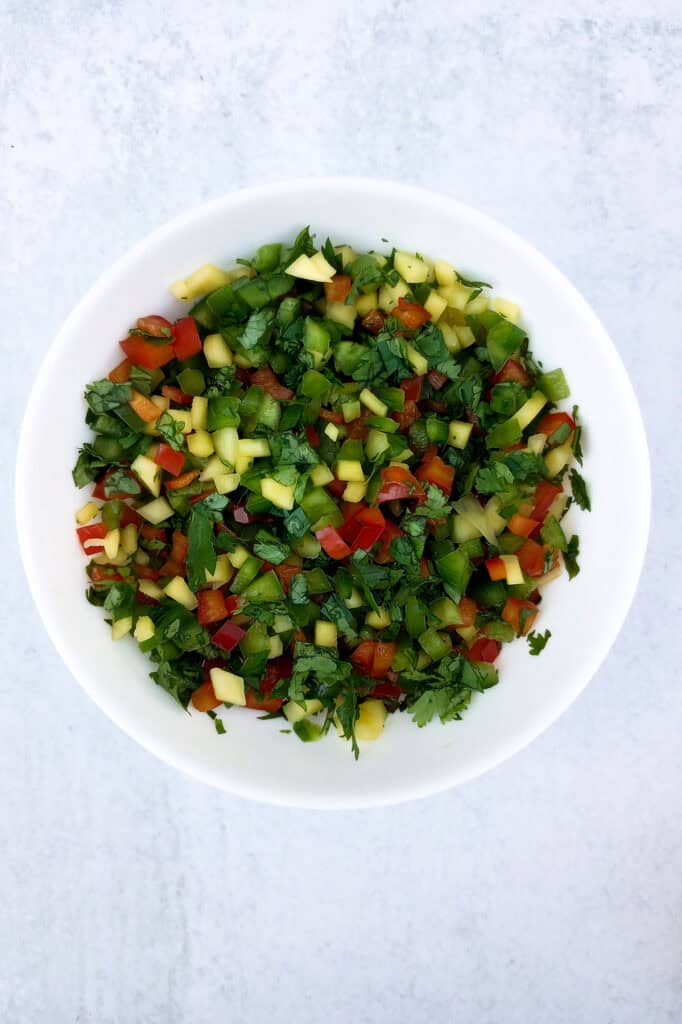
331 491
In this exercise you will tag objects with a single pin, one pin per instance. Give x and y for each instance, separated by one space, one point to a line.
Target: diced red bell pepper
175 565
121 373
370 525
551 423
143 407
512 613
435 471
338 289
130 517
484 649
412 387
276 669
522 526
285 572
313 436
496 569
407 416
186 340
411 314
154 326
169 459
531 558
437 380
545 493
386 691
374 321
265 379
383 553
336 487
145 353
232 603
397 483
184 480
211 607
92 532
204 698
176 395
512 370
228 636
333 543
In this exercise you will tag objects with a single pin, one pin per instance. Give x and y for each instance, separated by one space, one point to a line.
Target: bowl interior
255 758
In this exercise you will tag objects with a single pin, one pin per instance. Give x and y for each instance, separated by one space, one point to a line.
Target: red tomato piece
437 380
176 395
276 669
145 353
169 459
552 421
186 340
121 373
512 370
370 525
93 532
268 704
228 636
440 474
145 572
522 526
333 543
265 379
331 417
519 614
211 607
397 483
467 610
155 326
204 698
374 321
411 314
531 558
129 517
286 572
484 649
338 289
407 416
313 436
384 653
386 691
412 387
150 532
545 493
363 656
391 532
336 487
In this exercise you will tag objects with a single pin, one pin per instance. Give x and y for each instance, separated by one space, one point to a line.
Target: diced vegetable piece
200 444
371 402
228 687
144 629
222 573
417 361
530 409
178 590
509 310
311 268
371 719
520 615
459 433
411 267
148 473
228 636
121 627
332 431
183 417
217 352
435 305
321 475
351 411
254 447
201 281
326 634
199 412
294 712
558 458
355 491
378 620
87 512
156 511
280 495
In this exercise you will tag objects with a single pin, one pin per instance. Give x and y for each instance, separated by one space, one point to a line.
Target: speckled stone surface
547 891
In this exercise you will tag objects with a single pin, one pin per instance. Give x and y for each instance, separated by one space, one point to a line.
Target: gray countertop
546 891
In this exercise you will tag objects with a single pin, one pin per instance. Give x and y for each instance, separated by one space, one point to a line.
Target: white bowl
254 759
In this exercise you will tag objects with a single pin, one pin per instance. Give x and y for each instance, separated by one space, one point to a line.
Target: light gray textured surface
549 890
